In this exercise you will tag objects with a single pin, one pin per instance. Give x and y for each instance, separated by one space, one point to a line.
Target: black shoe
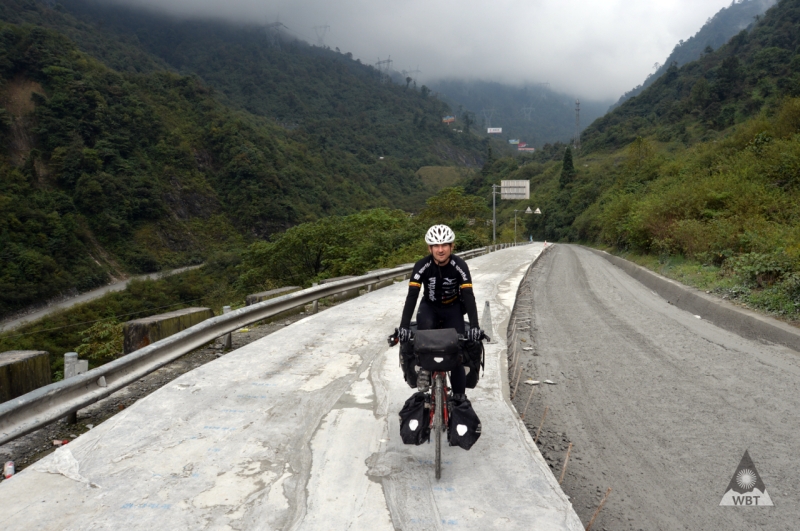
458 398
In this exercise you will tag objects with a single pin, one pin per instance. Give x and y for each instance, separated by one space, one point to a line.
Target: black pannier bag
465 426
437 350
474 359
415 421
408 360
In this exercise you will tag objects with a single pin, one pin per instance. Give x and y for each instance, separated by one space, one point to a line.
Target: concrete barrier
142 332
745 323
22 371
271 294
255 298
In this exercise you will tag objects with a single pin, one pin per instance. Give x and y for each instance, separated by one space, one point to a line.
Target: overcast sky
594 49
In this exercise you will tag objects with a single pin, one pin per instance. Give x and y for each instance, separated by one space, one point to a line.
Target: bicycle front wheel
438 421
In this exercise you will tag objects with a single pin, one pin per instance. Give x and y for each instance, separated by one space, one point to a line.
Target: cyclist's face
441 251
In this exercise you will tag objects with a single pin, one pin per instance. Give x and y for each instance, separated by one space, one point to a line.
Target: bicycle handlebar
394 339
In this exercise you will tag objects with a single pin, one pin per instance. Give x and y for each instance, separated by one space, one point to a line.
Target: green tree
102 341
567 169
639 153
451 204
469 119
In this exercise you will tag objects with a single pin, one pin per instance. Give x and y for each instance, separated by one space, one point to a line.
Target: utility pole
494 212
321 31
577 125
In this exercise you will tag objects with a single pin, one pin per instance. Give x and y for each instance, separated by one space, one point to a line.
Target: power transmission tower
273 30
487 114
385 68
526 111
577 125
321 31
407 73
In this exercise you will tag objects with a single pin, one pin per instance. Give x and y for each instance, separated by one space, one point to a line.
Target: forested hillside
715 32
534 114
701 172
753 71
137 167
339 102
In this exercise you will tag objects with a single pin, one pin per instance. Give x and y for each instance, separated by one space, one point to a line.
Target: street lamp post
494 213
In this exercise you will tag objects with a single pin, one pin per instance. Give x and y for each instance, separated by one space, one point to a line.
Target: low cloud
593 49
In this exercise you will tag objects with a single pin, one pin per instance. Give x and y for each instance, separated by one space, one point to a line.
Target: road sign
515 189
494 130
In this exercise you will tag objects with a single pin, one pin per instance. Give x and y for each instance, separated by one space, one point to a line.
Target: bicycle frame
445 411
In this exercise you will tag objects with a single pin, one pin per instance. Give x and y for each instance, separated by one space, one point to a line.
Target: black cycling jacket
444 285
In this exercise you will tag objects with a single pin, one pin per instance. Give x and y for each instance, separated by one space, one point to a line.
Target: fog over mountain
595 50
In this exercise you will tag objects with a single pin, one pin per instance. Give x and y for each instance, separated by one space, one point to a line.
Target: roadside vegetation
330 247
723 215
103 171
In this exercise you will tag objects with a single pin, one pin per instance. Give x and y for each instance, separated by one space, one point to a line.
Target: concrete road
300 430
660 404
64 304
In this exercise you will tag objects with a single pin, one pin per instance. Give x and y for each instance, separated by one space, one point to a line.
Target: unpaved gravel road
660 405
35 313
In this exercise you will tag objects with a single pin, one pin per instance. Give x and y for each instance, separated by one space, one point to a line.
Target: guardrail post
229 336
70 371
315 304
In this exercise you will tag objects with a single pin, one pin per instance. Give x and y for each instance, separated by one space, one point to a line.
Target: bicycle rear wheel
438 421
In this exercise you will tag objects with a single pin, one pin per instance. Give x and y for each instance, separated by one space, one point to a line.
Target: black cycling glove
475 334
403 334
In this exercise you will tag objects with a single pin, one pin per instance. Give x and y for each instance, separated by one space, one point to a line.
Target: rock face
141 332
22 371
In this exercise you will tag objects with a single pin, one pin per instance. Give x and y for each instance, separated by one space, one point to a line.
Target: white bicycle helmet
439 234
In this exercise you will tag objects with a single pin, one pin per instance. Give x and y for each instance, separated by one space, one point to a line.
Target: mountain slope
533 113
103 171
341 103
715 32
753 71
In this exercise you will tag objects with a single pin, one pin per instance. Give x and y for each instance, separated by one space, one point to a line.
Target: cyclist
448 289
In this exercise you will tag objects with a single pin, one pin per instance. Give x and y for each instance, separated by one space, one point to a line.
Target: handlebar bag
415 420
437 350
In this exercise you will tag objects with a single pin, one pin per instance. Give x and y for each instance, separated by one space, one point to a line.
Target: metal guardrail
42 406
